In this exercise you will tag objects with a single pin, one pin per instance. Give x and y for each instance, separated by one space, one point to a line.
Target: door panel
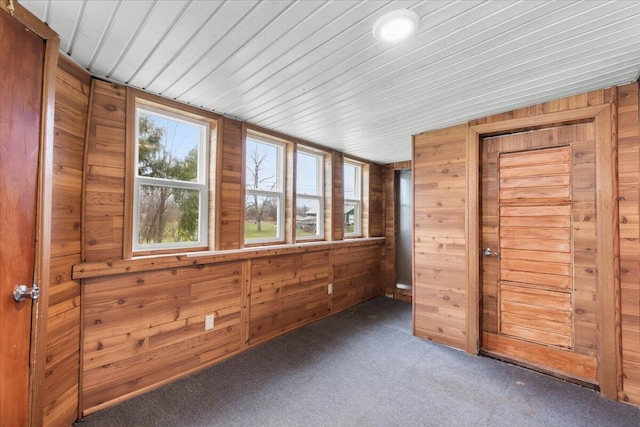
21 67
538 213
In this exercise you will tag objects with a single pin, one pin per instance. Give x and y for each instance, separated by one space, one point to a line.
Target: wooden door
539 293
21 77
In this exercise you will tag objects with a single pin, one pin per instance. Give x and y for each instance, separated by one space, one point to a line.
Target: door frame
44 205
604 117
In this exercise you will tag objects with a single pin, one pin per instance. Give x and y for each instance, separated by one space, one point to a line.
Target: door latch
488 252
21 292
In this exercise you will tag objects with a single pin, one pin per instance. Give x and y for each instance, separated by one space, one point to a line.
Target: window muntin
170 208
352 187
264 191
309 195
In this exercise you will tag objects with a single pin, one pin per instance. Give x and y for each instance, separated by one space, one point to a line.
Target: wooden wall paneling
288 291
629 239
440 257
472 231
375 205
575 109
245 313
366 194
104 193
142 330
337 197
607 223
356 276
231 192
62 360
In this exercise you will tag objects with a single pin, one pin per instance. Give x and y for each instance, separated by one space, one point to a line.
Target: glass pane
168 215
168 148
351 218
307 174
261 217
262 166
351 181
307 216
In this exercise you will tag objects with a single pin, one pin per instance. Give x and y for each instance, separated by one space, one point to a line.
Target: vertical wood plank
440 209
232 193
606 272
337 197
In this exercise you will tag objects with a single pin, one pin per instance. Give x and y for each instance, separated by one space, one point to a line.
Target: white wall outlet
208 322
330 288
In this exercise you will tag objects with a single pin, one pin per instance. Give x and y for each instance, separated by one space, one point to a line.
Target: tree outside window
264 200
171 191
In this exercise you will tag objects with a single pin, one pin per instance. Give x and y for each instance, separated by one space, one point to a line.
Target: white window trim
279 193
319 197
201 185
357 229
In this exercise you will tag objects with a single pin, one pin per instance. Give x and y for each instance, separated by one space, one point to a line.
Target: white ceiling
313 69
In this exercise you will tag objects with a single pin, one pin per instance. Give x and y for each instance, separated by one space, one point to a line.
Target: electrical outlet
330 288
208 322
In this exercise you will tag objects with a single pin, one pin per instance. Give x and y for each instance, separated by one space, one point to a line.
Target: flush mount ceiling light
396 25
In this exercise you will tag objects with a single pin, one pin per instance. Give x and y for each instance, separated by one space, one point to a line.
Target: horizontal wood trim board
107 268
538 121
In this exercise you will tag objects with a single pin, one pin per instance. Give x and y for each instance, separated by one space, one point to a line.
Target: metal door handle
21 292
488 252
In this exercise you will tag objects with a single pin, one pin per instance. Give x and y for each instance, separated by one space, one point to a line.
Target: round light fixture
396 25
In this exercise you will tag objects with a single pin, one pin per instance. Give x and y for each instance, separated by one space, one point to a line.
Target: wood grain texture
337 197
356 276
21 100
373 204
104 192
230 213
625 122
546 238
629 221
440 264
143 329
287 292
62 366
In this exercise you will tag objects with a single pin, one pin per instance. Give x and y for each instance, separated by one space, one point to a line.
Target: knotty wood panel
356 276
104 191
629 218
288 291
231 202
440 265
62 361
143 329
625 126
373 211
337 196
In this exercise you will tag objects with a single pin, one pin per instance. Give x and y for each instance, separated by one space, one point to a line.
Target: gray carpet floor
362 367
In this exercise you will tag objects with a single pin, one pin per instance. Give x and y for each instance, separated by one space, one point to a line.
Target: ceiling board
313 69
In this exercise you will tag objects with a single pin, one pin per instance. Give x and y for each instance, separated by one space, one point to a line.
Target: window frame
280 193
357 202
319 197
207 153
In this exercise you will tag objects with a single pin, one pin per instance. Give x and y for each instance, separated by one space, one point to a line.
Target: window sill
159 262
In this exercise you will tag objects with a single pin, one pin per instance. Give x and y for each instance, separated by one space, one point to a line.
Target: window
170 209
352 181
309 195
264 196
